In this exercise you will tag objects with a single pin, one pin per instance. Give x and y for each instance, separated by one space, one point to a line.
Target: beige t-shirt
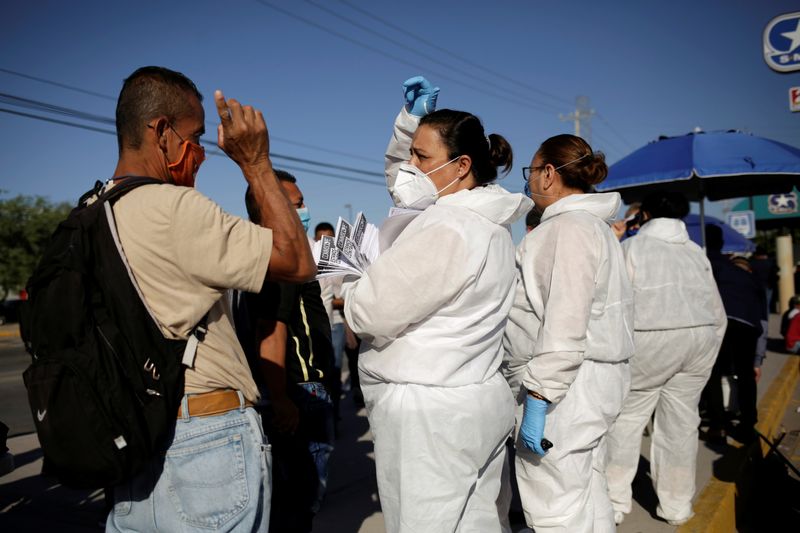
185 252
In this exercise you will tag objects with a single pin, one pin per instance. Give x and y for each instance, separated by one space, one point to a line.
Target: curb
9 334
715 508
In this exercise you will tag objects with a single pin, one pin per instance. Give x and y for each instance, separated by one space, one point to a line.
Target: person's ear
464 166
548 176
160 127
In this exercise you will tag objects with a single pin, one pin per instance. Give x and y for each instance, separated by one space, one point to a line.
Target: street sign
782 43
782 204
794 99
742 221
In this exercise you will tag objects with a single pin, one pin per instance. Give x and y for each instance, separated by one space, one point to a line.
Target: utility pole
581 117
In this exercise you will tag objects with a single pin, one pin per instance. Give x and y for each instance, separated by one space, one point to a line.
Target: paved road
14 410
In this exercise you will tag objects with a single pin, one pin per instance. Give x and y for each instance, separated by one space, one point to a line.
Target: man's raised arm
243 135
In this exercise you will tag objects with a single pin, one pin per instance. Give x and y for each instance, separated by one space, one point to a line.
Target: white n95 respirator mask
413 189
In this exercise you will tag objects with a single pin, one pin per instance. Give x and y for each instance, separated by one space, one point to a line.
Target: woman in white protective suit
568 340
678 328
431 311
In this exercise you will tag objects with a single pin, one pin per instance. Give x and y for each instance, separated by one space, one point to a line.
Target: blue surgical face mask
305 218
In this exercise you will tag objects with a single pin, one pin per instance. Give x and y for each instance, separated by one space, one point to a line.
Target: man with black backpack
208 467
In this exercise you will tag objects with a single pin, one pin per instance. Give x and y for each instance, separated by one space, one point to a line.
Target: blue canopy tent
713 165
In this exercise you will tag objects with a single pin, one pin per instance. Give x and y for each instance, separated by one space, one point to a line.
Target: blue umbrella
733 241
713 165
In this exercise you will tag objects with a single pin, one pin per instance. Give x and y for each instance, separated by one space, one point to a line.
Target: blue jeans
215 475
337 340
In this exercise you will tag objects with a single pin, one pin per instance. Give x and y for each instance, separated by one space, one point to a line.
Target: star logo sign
782 204
794 36
781 43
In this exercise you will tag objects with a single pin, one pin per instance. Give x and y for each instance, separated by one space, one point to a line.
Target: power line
213 151
56 121
27 103
422 39
209 123
422 53
396 58
313 172
47 107
57 84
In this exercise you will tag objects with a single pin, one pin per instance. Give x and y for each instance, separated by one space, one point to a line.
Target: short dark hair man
185 252
295 357
323 228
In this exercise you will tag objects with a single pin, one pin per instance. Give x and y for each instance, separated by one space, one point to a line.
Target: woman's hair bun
500 154
594 168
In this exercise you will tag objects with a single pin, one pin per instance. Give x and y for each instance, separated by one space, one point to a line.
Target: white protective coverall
431 311
678 328
569 337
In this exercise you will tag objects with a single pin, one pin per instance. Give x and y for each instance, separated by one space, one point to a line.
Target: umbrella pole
703 221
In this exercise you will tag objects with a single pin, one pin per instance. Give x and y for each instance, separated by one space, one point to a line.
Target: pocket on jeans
207 481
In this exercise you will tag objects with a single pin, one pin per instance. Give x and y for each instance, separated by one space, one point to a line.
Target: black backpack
105 384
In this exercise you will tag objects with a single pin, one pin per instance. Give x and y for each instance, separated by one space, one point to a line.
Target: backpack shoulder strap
113 193
117 187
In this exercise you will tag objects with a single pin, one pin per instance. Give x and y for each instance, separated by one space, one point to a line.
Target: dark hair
533 218
714 239
323 226
663 204
282 175
148 93
253 213
462 133
582 168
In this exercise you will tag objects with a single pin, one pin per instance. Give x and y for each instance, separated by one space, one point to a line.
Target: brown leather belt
213 403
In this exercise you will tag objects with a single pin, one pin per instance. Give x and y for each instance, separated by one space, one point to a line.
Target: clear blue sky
328 75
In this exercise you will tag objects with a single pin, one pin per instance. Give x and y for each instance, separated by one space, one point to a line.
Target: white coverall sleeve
407 283
560 275
399 147
519 338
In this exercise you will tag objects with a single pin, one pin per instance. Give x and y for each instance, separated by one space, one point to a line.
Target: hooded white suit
431 311
679 325
569 337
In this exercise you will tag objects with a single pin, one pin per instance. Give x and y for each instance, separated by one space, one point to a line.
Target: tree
26 224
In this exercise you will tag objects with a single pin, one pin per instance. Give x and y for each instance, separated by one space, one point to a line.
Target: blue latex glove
420 96
531 430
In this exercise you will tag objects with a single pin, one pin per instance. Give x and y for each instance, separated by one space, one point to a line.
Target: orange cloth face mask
184 170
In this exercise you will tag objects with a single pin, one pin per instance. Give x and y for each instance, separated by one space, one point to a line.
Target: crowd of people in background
485 368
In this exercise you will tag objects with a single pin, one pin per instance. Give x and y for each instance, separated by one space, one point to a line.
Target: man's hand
285 415
757 373
242 133
619 227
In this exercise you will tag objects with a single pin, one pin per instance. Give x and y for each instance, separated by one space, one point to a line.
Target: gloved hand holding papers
350 251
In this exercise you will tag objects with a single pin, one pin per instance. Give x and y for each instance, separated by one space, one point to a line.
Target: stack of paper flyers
350 251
